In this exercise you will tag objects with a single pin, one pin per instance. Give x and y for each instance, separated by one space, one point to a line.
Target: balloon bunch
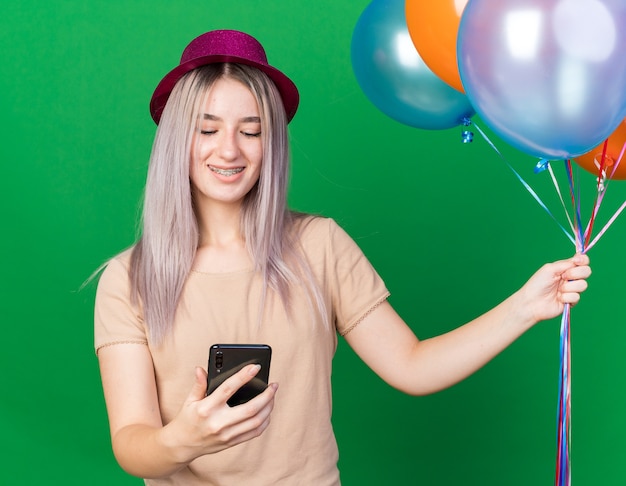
548 77
395 78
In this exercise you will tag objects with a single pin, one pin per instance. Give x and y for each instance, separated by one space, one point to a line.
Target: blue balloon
393 76
547 76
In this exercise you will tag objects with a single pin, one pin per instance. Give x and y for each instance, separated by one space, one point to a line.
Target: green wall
447 225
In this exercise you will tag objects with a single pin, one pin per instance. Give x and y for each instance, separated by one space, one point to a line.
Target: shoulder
118 317
318 235
124 257
117 270
311 227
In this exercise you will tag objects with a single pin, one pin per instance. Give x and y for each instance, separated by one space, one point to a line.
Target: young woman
222 260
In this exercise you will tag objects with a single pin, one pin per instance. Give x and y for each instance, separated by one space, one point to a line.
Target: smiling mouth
226 172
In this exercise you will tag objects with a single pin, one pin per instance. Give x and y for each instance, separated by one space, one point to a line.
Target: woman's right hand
143 446
207 424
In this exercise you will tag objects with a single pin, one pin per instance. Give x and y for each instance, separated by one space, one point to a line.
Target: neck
219 225
222 248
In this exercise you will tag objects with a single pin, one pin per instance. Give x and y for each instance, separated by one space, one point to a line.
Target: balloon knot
467 136
541 165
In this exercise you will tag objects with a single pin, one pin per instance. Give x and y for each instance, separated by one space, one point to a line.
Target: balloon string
619 210
558 191
606 226
563 464
619 159
575 197
524 183
564 418
582 243
600 190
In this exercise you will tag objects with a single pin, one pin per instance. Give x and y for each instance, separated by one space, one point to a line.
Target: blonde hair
164 253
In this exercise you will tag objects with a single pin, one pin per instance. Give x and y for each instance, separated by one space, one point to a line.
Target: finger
198 390
576 286
254 416
580 259
235 382
571 298
570 291
260 407
576 273
251 433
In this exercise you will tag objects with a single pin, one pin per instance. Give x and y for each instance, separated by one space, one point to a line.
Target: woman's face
227 151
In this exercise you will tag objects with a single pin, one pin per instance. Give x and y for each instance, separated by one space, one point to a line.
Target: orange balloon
433 27
592 160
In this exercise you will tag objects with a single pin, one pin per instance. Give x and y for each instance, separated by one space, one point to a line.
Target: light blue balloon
547 76
393 76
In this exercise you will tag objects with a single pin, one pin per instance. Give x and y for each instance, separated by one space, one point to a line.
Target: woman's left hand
554 285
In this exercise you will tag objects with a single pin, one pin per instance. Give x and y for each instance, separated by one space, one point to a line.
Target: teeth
226 172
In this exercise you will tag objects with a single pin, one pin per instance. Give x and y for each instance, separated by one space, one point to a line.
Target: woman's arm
142 445
417 367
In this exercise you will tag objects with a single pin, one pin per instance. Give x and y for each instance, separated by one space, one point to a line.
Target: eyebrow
245 119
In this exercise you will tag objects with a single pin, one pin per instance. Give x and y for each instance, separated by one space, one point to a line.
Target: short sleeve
116 319
356 287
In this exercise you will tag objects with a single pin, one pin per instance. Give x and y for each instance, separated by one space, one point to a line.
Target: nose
228 148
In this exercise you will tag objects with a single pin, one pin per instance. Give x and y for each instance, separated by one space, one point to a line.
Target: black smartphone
227 359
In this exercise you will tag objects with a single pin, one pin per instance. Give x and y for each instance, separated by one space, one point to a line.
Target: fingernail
255 369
